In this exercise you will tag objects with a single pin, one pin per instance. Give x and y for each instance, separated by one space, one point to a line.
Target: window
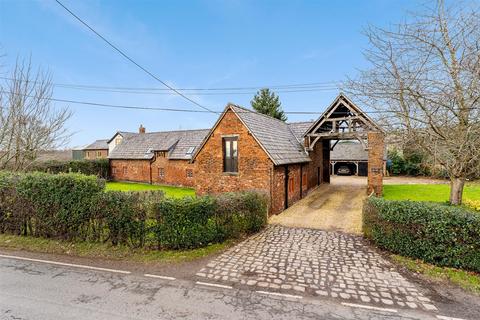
189 173
88 154
291 185
161 154
230 154
161 173
125 170
114 170
190 150
118 140
99 153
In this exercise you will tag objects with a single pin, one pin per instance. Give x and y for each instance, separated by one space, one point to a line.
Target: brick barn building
246 150
156 157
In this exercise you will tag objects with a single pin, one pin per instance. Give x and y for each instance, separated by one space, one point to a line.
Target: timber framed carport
343 120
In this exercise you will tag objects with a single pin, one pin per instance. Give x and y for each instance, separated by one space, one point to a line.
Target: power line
314 86
133 61
176 109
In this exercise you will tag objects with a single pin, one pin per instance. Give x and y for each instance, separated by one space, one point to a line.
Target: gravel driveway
334 207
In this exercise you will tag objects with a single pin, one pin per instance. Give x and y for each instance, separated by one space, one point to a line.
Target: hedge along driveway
428 192
170 191
436 233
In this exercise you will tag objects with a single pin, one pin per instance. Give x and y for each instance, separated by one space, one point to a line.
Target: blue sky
190 44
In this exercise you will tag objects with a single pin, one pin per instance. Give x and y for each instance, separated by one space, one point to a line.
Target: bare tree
425 81
29 123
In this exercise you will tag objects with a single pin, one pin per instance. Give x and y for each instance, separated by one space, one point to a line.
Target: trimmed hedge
98 167
436 233
76 207
191 222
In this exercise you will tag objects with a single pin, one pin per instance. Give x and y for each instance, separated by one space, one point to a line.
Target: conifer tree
267 102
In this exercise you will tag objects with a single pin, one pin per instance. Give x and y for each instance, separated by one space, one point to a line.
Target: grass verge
170 191
469 281
106 251
427 192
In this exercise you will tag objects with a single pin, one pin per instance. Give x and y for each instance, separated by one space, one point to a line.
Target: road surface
44 290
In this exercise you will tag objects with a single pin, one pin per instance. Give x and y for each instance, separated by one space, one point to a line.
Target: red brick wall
93 154
254 166
314 168
376 148
175 172
136 170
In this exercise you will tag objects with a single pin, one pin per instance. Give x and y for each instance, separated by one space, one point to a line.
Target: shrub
76 207
61 203
472 204
98 167
186 222
436 233
120 218
241 212
193 222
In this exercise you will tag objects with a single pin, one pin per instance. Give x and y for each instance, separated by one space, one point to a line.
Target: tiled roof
124 134
141 146
349 151
97 145
275 136
299 128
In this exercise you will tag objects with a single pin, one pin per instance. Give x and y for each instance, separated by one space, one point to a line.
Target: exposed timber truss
343 120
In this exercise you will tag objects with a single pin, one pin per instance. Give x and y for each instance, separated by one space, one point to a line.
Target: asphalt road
36 290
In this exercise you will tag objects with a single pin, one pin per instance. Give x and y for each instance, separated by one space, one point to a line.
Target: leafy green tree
267 102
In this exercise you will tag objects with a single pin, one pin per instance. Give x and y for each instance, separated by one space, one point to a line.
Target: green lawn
174 192
427 192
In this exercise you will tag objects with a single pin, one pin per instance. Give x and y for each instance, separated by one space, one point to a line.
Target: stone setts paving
321 263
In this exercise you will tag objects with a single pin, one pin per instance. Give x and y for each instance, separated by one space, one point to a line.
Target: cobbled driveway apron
318 263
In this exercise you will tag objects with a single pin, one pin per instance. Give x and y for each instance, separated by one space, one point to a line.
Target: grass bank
467 280
170 191
106 251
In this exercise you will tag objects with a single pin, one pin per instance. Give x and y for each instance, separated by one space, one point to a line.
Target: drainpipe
301 181
286 186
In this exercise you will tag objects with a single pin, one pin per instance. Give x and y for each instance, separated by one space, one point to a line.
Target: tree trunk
456 190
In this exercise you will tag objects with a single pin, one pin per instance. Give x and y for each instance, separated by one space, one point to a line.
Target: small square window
189 173
125 170
161 173
114 170
99 153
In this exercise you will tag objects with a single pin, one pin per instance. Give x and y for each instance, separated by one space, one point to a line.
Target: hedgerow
76 207
436 233
97 167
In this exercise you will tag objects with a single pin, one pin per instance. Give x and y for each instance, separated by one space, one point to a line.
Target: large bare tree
424 80
29 123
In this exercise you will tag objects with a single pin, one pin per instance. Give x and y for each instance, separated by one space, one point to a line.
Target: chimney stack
141 129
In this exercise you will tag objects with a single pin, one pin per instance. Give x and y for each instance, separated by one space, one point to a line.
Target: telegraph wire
176 109
280 88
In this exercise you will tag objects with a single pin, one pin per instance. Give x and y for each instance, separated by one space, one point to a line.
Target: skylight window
190 150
